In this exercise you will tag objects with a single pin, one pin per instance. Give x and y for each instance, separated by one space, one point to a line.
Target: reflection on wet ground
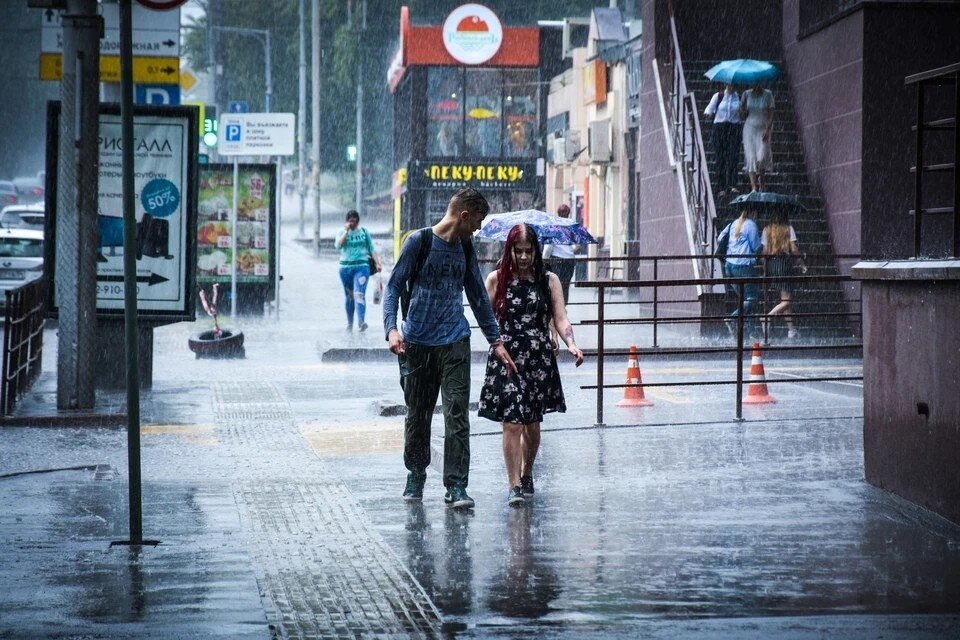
632 526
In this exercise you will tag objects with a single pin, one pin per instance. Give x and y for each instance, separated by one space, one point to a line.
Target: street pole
302 120
77 193
266 62
315 81
233 241
130 273
359 177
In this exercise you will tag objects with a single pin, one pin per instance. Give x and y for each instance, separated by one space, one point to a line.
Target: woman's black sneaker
413 492
526 486
515 497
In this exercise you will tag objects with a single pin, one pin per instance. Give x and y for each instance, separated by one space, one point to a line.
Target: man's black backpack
723 241
425 239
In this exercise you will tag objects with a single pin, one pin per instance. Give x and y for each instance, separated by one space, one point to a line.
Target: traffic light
352 153
210 126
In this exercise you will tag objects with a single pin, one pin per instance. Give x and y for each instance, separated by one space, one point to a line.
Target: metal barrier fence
651 308
602 352
22 341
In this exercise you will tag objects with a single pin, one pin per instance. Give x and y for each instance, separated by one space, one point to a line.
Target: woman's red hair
507 269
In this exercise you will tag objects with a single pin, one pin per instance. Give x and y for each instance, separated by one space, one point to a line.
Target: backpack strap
425 239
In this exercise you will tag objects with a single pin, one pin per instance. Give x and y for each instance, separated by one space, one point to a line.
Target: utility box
598 141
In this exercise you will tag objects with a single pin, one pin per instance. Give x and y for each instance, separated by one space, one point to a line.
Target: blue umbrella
743 72
549 229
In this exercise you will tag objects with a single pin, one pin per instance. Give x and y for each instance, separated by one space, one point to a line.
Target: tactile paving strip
323 571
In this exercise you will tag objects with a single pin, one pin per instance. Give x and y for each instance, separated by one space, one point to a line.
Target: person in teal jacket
356 249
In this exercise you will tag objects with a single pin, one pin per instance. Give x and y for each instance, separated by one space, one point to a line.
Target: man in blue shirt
434 348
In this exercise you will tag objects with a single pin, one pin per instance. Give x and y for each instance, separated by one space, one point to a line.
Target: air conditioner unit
571 146
559 151
598 141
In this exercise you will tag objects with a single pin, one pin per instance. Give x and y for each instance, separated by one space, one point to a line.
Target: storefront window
444 112
484 114
520 106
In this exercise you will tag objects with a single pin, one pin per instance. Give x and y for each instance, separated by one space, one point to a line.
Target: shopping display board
165 184
256 224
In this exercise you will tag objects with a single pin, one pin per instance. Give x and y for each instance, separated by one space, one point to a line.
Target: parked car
29 189
21 258
8 193
23 216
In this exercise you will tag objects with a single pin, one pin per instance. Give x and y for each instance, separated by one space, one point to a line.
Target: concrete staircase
789 176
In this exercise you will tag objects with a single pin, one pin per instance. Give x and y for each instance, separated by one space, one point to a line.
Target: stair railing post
956 165
918 177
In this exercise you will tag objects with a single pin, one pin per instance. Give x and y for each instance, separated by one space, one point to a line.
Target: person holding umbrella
756 111
526 298
724 108
780 250
560 257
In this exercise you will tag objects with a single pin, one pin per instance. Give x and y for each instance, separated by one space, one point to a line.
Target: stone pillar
911 370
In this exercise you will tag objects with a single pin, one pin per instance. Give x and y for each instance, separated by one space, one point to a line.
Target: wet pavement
272 484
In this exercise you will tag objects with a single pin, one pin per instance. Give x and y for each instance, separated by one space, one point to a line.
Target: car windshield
21 248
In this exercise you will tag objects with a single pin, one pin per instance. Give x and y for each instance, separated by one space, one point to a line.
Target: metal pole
267 75
302 120
740 294
918 177
276 275
601 291
315 81
130 272
359 176
956 165
233 241
656 298
77 195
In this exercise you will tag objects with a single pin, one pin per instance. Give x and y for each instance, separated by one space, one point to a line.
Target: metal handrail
22 341
601 353
691 157
949 75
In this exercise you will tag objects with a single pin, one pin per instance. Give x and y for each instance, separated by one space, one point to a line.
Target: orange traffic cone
633 396
757 391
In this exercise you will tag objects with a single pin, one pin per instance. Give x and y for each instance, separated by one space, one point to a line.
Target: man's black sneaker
526 486
414 489
458 499
515 497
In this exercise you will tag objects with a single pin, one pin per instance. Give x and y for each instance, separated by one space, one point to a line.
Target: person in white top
779 244
724 108
756 111
561 258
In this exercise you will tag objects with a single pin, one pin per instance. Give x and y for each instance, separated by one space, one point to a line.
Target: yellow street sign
187 80
145 70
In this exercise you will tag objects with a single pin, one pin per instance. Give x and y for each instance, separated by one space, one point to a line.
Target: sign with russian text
165 141
519 175
257 134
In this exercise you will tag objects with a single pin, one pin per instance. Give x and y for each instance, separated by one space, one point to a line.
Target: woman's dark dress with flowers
535 390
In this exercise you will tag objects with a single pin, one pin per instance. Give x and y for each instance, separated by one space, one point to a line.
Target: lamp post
265 35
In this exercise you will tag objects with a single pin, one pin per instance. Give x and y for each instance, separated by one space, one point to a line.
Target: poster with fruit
256 222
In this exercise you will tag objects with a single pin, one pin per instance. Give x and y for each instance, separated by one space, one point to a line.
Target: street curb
95 420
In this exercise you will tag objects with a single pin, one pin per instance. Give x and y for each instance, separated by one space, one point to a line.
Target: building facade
468 111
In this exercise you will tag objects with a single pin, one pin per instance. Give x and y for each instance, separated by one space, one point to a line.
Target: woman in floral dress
526 298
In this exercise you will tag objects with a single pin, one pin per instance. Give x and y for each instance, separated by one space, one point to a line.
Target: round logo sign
472 34
160 198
